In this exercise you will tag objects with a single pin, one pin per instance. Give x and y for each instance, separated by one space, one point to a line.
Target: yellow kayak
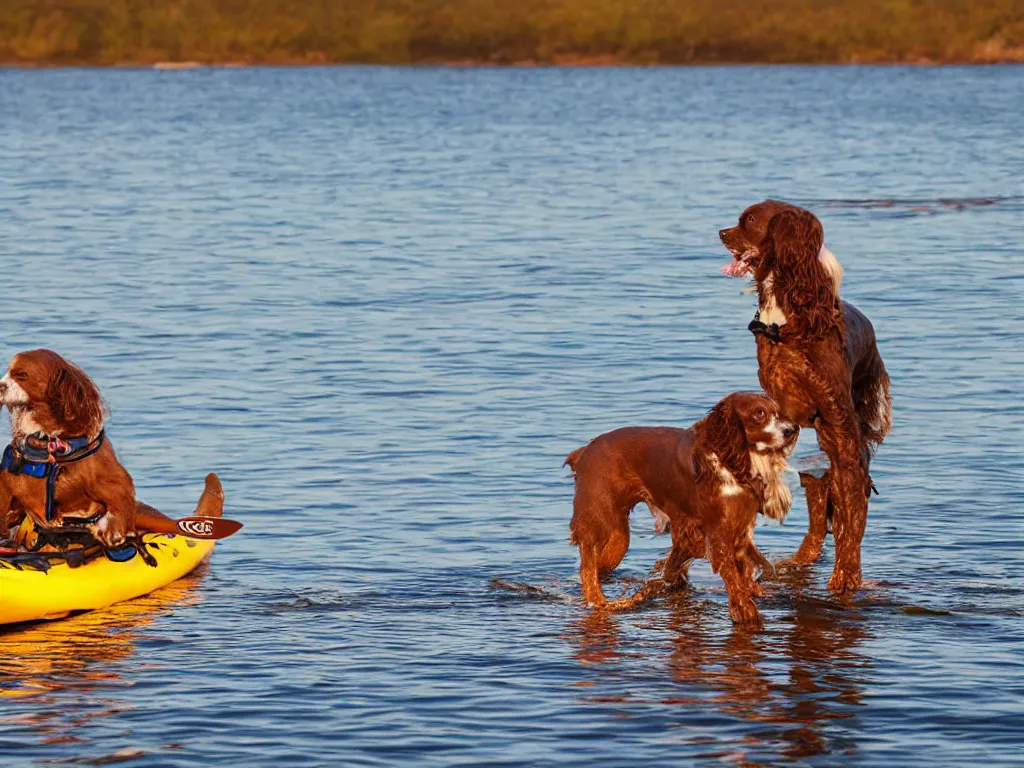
28 594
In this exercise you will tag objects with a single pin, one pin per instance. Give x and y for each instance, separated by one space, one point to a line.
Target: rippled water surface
384 304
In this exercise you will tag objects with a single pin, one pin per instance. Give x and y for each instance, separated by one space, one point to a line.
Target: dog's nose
722 234
790 430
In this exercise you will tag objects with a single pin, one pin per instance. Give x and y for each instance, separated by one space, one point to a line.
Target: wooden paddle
192 527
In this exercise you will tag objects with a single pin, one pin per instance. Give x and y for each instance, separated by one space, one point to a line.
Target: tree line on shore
112 32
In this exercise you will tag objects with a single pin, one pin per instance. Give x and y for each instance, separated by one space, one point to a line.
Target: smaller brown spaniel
709 481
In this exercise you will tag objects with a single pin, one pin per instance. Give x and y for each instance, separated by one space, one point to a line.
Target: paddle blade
207 527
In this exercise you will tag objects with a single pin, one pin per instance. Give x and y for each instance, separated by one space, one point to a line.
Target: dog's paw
789 565
768 570
744 613
844 582
808 554
109 531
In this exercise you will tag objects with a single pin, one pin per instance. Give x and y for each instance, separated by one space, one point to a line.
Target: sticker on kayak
200 528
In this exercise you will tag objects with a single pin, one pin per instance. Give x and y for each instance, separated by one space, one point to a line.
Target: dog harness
39 455
44 456
770 332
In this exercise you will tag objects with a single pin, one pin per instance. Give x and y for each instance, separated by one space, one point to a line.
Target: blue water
384 304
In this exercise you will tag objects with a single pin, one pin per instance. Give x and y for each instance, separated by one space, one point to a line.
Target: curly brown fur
800 284
721 442
75 399
701 479
825 373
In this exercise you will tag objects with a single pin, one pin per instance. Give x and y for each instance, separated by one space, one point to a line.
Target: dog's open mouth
741 264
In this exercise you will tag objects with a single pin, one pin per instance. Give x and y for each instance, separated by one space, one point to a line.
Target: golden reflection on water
75 653
789 683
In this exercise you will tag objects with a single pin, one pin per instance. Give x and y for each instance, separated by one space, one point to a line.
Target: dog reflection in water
791 685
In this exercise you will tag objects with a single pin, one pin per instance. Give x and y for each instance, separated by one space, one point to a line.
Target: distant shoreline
170 34
185 66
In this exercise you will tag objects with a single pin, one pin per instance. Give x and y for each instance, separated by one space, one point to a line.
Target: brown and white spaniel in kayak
60 465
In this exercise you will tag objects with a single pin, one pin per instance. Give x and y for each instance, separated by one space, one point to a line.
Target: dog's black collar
770 332
40 448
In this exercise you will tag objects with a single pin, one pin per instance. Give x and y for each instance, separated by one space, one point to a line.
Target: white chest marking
777 496
768 311
729 485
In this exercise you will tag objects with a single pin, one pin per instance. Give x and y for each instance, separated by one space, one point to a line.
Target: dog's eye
751 218
19 376
760 415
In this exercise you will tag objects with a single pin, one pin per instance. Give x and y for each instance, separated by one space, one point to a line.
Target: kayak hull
29 595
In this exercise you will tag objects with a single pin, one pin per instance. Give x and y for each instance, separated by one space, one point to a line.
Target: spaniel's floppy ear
76 401
802 285
721 433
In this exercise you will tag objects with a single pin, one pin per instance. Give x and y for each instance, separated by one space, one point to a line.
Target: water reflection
75 654
790 684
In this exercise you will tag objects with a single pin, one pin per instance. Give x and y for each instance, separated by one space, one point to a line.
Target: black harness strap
770 332
42 456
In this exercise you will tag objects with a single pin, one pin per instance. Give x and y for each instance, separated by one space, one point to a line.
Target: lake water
384 304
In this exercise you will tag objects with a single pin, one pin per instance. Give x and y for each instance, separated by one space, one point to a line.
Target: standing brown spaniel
709 482
818 358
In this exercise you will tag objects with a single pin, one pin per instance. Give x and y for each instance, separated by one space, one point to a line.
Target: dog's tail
211 503
573 459
874 404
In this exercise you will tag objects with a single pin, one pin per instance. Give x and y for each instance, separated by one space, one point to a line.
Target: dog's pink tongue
735 268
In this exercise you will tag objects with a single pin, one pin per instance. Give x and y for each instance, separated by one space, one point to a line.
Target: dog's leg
848 491
118 522
687 546
848 525
614 549
819 509
677 565
10 513
589 575
740 588
600 528
748 561
839 435
758 562
727 554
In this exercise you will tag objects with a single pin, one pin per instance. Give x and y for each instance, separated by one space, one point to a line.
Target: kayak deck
28 595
